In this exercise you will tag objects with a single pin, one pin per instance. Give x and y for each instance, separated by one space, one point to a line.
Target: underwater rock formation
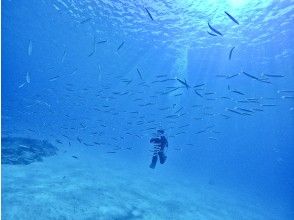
17 150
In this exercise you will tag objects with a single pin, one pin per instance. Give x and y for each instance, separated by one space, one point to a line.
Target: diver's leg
162 157
154 161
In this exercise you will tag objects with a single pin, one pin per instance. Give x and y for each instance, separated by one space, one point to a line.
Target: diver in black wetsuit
160 146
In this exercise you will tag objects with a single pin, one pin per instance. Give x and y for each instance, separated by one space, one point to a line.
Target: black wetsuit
159 145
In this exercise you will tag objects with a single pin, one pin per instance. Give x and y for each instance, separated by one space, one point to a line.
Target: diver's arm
165 144
155 140
164 141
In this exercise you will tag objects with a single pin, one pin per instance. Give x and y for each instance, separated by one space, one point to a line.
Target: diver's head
161 132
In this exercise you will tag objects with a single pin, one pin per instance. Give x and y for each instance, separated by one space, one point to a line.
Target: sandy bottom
63 187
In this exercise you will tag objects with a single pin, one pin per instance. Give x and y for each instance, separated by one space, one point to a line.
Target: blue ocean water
97 79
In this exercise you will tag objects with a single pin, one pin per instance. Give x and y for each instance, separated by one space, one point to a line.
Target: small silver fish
28 78
63 57
21 85
30 48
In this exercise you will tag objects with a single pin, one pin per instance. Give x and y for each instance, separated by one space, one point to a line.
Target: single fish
234 111
232 18
161 76
24 146
182 132
197 93
43 103
229 77
257 109
58 141
28 78
199 132
287 97
161 81
172 116
63 56
178 110
252 99
94 47
244 113
120 46
66 136
251 76
268 105
269 98
184 83
162 109
225 97
231 51
86 20
214 30
221 76
74 71
21 85
54 78
184 126
139 73
286 91
212 34
150 16
86 144
274 76
243 101
30 48
209 93
94 50
225 116
101 42
264 81
199 85
245 110
238 92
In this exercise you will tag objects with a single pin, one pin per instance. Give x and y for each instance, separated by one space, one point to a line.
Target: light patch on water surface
180 23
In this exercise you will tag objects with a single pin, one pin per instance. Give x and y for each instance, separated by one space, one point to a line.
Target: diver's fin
162 157
153 163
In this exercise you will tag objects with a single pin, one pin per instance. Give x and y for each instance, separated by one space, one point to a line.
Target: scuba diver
160 147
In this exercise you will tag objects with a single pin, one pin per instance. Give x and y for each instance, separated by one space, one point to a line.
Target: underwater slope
25 150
